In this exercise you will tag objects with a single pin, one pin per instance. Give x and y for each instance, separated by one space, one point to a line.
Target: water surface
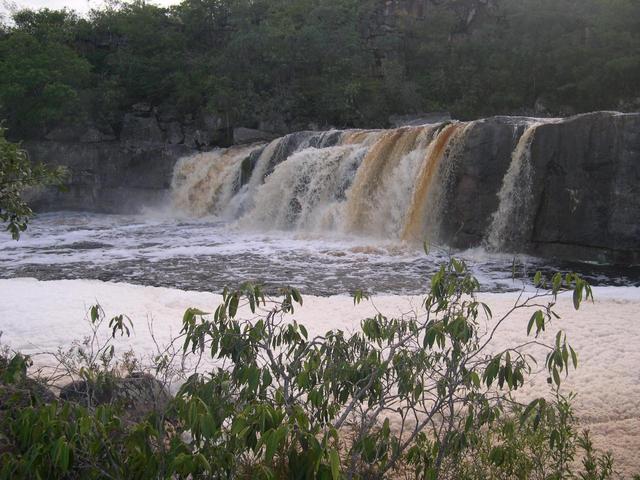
207 255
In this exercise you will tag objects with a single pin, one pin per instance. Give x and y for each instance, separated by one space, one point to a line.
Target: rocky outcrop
108 177
138 394
139 132
587 188
478 171
243 135
585 202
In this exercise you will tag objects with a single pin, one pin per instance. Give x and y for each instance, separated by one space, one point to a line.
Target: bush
17 174
423 395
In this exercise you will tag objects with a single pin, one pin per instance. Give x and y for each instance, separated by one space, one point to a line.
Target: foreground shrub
427 395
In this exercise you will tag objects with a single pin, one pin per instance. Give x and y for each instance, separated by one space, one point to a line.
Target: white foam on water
76 245
40 316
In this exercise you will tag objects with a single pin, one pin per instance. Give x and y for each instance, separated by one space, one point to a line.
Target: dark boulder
173 132
138 394
205 132
585 187
81 133
479 165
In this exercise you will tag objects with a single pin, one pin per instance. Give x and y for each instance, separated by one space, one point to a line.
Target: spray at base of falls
388 184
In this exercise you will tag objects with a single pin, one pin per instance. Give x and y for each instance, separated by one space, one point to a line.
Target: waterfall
388 184
306 191
350 182
204 183
511 220
417 221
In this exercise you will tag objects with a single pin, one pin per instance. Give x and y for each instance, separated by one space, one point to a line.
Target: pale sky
80 6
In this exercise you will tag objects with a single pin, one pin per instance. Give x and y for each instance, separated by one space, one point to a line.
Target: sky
80 6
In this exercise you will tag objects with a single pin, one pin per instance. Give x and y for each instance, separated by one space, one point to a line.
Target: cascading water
204 183
512 218
361 181
374 179
422 212
305 191
388 184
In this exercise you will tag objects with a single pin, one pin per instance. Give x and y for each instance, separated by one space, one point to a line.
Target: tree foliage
17 173
329 62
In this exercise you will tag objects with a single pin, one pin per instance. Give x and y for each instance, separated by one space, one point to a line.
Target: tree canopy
329 62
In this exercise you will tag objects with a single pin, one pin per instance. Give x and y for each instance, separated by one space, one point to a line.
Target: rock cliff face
568 188
108 177
587 188
584 193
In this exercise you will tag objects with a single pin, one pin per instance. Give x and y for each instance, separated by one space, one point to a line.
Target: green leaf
496 456
94 313
296 296
574 357
203 462
528 410
334 458
531 322
431 474
537 277
271 442
233 305
577 297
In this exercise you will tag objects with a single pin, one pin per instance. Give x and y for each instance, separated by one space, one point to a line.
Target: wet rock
243 135
587 188
397 121
139 394
106 177
479 167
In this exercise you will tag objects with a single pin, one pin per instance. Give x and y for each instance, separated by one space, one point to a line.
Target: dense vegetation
282 64
427 395
18 173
